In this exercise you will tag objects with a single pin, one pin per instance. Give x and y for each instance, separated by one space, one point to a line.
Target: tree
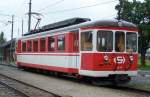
2 39
138 13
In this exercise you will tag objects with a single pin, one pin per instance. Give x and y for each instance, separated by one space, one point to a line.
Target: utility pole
22 26
12 29
18 32
11 46
29 14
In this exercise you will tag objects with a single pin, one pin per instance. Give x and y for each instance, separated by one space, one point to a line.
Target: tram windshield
131 42
105 41
119 41
109 41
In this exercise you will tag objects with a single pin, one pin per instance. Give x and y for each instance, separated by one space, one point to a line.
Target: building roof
8 43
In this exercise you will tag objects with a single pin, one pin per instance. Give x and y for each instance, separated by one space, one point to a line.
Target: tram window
86 41
105 41
76 41
51 43
29 45
24 46
119 41
42 44
35 45
61 42
18 46
131 42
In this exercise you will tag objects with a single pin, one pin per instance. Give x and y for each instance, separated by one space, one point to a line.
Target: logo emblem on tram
119 60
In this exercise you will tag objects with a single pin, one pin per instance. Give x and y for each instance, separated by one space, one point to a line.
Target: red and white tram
95 49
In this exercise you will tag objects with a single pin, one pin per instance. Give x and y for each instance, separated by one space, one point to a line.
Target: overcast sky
52 11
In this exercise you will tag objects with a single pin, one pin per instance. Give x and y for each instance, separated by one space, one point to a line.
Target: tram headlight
131 58
106 59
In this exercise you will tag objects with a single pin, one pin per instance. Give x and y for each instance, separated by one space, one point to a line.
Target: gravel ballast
65 87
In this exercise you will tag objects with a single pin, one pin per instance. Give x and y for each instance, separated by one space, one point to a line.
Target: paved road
65 87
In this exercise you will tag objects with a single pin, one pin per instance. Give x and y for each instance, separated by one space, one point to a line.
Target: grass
146 67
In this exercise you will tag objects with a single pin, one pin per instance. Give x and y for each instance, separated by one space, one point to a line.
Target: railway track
117 87
10 90
9 65
22 89
124 88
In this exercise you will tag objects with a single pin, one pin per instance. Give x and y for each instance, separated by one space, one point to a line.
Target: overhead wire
60 11
53 4
8 15
20 7
1 14
82 7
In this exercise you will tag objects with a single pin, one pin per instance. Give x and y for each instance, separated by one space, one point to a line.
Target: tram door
76 48
86 50
73 48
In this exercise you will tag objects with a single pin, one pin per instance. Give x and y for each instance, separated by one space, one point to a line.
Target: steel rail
26 84
117 87
13 89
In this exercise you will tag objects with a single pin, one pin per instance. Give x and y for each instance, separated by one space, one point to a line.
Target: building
7 51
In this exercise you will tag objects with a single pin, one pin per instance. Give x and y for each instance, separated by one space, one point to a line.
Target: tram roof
80 24
60 24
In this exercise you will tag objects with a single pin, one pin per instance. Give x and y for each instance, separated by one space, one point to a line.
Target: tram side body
61 52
